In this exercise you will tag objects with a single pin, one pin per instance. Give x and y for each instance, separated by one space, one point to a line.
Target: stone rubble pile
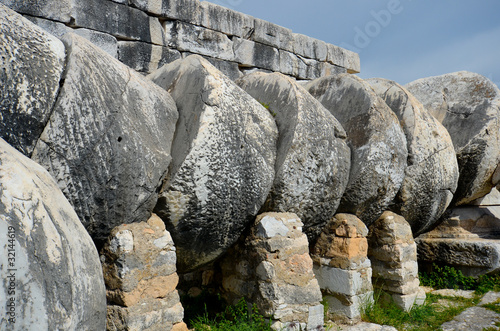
272 268
342 267
393 254
138 262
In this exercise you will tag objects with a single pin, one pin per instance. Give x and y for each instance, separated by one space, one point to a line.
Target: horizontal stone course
203 28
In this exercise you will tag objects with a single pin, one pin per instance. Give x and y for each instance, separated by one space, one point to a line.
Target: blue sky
402 40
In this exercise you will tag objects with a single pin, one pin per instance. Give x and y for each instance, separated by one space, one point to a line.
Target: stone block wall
272 268
146 34
140 274
342 267
393 254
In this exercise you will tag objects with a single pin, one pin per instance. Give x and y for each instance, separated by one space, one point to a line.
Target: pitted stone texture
473 319
108 139
126 23
252 54
139 266
58 281
342 268
32 64
468 105
59 10
268 33
104 41
183 10
138 262
56 29
163 314
313 159
431 176
342 243
228 68
225 20
275 271
223 161
467 239
393 254
473 256
377 143
145 57
195 39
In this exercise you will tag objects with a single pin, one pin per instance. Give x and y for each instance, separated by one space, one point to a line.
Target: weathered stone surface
343 58
195 39
393 254
312 161
455 293
368 327
223 161
228 68
342 244
491 199
275 271
138 262
468 105
467 239
145 57
490 297
139 265
104 41
268 33
152 315
250 54
184 10
225 20
473 256
377 143
56 29
309 47
32 63
472 319
59 10
342 268
432 173
108 139
127 23
50 267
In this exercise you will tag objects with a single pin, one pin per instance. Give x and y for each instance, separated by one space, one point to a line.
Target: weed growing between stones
267 106
240 317
450 278
426 317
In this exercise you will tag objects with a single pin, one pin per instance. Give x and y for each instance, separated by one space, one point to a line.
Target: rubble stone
275 271
342 268
393 254
139 269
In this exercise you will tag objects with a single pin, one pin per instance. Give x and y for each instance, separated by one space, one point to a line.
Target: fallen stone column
139 269
393 254
342 267
272 268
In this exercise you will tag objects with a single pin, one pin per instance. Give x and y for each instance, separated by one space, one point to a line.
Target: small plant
449 277
234 318
267 106
421 318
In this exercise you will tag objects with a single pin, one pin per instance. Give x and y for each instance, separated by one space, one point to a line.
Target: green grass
234 318
426 317
450 278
